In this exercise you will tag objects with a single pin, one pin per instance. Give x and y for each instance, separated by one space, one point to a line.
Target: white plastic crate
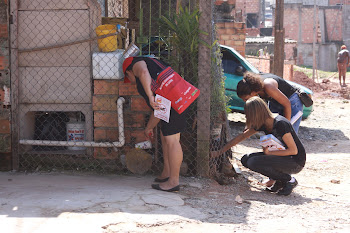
108 65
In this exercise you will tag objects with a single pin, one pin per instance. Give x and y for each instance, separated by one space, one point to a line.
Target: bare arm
153 121
271 89
141 71
290 143
241 137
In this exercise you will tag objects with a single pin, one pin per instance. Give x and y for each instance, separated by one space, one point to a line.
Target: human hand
266 150
149 134
153 103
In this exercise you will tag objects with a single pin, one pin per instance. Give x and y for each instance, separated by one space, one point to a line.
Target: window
252 20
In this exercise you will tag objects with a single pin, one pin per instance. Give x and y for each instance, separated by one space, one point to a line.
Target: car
234 65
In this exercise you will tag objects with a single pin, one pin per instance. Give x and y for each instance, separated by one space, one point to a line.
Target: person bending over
276 165
281 96
141 71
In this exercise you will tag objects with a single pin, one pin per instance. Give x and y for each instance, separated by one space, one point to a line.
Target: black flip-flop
161 180
174 189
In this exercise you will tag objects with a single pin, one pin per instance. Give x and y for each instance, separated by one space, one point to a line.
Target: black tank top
153 69
283 85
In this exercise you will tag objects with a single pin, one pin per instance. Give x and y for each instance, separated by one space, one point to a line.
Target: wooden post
279 39
106 8
271 64
203 106
314 66
14 84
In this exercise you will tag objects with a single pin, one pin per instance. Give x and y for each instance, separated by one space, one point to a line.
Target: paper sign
164 112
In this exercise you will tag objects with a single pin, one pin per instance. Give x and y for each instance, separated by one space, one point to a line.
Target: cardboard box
271 142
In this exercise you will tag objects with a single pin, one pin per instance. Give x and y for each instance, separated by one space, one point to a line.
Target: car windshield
231 60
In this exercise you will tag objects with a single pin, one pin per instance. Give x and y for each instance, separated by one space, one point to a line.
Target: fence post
279 39
14 85
204 71
271 64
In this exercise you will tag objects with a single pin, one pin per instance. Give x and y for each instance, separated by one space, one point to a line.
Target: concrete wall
332 29
326 56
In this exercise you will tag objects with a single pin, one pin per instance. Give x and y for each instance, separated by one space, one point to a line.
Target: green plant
183 31
218 100
309 72
184 39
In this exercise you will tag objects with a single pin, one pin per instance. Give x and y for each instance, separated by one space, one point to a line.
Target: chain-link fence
71 108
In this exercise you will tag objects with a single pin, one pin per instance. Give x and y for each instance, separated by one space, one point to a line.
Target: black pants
274 167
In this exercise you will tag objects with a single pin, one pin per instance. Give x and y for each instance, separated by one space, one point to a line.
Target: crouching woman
276 165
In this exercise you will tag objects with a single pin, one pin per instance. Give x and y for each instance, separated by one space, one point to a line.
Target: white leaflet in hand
271 142
296 117
164 112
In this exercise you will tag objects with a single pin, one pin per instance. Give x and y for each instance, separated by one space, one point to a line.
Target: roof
267 40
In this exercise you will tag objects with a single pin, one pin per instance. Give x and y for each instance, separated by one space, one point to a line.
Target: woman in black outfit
277 165
282 97
141 71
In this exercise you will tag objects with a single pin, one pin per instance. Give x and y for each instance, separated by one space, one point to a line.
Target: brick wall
232 34
333 22
291 23
5 125
263 65
334 2
248 6
136 114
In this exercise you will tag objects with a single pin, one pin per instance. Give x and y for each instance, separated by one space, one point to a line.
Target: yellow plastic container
108 44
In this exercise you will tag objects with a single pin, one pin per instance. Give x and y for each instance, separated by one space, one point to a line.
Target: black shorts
177 123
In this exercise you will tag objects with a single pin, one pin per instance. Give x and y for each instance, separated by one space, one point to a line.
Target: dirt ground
320 203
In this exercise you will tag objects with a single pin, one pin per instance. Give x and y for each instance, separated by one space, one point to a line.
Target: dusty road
38 203
321 201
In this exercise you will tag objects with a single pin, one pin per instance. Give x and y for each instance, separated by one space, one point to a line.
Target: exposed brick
238 43
107 103
239 25
134 119
139 104
225 37
235 37
127 89
231 31
106 135
105 119
5 127
221 31
138 135
222 42
3 31
220 25
105 153
5 161
3 63
106 87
